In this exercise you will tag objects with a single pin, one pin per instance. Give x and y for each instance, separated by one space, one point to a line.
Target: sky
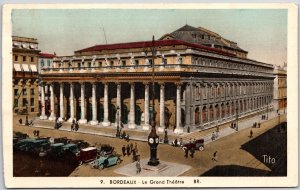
261 32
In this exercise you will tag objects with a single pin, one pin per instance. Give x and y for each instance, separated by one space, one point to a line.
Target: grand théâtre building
196 85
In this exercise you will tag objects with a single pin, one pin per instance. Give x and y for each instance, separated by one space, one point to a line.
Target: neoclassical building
196 86
25 54
280 88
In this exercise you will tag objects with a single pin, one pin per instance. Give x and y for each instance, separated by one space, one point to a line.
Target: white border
79 182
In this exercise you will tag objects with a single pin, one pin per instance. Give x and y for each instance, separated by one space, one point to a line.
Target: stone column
146 111
94 105
119 99
131 123
82 105
188 105
61 102
162 108
43 115
70 120
105 122
179 128
52 115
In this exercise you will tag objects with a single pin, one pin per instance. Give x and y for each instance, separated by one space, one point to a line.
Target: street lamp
153 138
118 134
237 119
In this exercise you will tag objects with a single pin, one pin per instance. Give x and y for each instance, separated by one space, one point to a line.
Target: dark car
87 155
197 145
105 150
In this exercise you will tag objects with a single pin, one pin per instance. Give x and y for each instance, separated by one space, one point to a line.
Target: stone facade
280 88
196 86
25 75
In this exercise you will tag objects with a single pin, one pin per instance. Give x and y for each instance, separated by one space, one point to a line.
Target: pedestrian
138 167
26 121
20 121
192 152
213 136
128 150
124 150
34 133
175 142
214 158
186 151
259 125
38 133
133 155
131 147
251 133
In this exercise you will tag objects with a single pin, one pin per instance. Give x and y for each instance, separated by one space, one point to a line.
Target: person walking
213 136
259 125
214 158
124 150
20 121
34 133
251 133
186 151
138 167
128 150
37 133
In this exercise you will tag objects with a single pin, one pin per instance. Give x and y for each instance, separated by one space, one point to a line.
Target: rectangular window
136 62
180 60
24 58
24 92
16 58
164 61
32 59
150 61
16 102
123 63
24 102
100 63
111 63
16 92
31 101
32 91
32 109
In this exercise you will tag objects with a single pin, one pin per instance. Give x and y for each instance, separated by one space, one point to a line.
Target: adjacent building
280 88
25 54
197 86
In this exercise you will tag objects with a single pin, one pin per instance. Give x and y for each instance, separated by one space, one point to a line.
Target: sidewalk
141 135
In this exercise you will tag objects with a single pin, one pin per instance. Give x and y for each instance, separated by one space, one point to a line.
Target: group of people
263 117
125 136
130 149
177 142
256 125
57 124
36 133
27 122
233 125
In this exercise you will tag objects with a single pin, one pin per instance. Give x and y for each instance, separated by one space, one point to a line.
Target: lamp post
153 138
237 119
118 134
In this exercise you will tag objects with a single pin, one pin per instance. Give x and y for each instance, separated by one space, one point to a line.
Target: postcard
150 95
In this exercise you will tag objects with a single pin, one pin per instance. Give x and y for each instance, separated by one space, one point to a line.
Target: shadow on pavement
272 144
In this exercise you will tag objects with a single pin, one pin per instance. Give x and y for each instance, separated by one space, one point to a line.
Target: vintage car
31 145
56 150
106 161
197 145
87 155
105 150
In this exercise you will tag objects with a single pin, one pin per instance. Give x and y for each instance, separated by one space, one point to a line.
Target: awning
33 68
17 67
25 67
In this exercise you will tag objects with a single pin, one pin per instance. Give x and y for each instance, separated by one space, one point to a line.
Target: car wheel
101 167
184 148
80 163
201 148
118 161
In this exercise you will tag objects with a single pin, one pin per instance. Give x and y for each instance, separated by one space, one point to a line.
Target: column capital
178 84
161 84
132 83
146 83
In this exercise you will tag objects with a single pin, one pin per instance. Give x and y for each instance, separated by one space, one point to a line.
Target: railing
197 68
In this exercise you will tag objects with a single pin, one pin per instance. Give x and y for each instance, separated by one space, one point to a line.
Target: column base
161 129
60 119
178 130
82 121
70 120
131 126
146 127
43 117
105 123
52 118
94 122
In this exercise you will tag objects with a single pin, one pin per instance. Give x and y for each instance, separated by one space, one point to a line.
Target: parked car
197 145
87 155
56 150
21 144
105 150
106 161
19 136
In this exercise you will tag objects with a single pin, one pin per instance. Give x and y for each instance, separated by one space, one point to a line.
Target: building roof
47 55
144 44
